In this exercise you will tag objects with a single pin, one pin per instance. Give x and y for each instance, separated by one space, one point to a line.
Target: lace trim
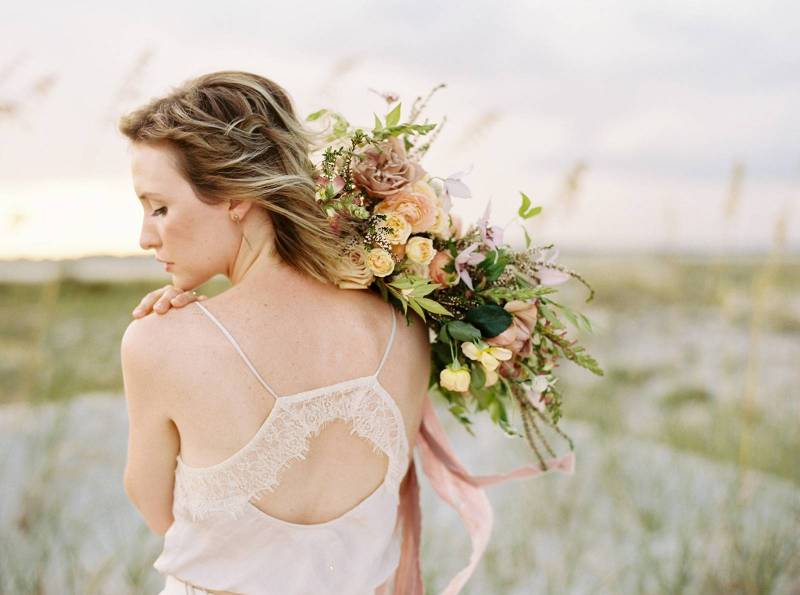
284 437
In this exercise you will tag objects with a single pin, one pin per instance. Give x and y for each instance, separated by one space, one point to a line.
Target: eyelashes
157 211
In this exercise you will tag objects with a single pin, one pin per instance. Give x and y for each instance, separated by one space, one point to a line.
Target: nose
148 237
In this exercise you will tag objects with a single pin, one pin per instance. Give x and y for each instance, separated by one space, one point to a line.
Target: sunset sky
650 104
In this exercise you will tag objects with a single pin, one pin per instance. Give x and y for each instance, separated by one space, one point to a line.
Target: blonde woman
271 425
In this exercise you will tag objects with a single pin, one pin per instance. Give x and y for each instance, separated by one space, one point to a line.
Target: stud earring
235 218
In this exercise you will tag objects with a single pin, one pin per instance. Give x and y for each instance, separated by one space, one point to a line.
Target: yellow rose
397 228
380 262
455 380
420 250
441 225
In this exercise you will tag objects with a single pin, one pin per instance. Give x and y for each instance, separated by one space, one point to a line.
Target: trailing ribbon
462 491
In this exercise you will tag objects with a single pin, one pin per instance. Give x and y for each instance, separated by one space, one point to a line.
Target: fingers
164 298
156 301
186 297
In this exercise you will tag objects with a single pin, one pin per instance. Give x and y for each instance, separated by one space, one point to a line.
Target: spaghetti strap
389 344
238 349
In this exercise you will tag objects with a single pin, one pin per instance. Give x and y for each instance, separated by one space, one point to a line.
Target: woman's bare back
218 404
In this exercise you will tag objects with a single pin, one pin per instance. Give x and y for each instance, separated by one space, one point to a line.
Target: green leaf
524 211
378 125
432 306
494 264
462 331
416 307
477 377
400 297
316 115
393 117
549 315
423 290
443 334
491 319
495 411
527 238
401 283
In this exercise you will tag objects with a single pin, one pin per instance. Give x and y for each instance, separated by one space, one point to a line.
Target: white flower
534 395
489 356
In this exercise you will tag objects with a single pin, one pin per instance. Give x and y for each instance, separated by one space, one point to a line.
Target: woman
290 406
272 427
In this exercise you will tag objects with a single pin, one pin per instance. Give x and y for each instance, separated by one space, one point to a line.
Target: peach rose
385 170
423 187
436 269
355 274
417 208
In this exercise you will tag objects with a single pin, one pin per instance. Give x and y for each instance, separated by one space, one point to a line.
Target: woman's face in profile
197 239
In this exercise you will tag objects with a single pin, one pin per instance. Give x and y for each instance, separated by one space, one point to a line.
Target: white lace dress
221 541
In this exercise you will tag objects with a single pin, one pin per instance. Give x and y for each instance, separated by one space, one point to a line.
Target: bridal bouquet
497 332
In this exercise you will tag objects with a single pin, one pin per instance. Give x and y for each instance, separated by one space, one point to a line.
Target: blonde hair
236 137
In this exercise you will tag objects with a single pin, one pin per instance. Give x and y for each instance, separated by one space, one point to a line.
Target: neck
258 269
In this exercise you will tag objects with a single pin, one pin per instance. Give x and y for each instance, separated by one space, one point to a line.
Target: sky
636 125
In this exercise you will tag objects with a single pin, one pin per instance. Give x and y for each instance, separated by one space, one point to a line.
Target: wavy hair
236 137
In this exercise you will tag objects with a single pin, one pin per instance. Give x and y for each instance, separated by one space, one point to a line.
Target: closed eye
158 210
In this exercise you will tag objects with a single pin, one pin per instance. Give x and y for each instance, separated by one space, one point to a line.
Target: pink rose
385 170
417 208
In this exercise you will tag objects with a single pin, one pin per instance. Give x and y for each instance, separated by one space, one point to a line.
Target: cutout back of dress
286 431
222 539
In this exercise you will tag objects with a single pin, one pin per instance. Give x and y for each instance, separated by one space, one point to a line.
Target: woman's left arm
153 439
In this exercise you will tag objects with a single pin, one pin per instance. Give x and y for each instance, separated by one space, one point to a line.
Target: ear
239 207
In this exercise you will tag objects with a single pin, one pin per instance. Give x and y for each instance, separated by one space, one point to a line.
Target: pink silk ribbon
462 491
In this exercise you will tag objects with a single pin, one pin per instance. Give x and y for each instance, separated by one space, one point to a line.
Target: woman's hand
164 298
